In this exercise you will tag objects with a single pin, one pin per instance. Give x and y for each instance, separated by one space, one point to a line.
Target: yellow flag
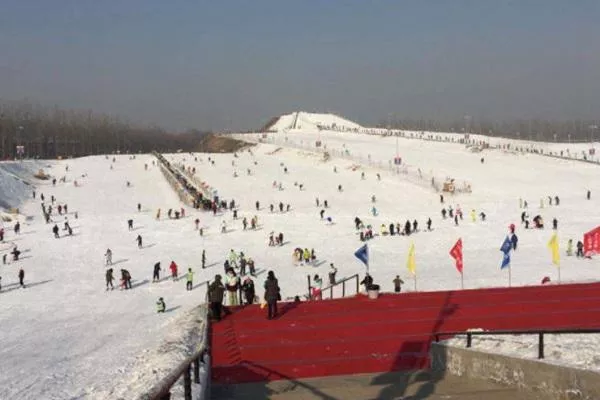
553 246
410 263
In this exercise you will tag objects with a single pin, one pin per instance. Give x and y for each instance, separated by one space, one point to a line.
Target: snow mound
17 181
310 122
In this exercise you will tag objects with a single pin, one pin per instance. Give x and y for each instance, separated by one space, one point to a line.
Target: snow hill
64 336
304 121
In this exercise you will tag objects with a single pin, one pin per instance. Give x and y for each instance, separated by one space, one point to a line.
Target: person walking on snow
130 224
203 259
139 241
248 289
173 268
429 224
233 286
216 291
332 273
233 257
22 277
189 279
109 279
156 273
107 255
160 305
397 284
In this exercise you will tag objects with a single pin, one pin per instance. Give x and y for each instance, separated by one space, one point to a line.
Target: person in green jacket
190 279
160 305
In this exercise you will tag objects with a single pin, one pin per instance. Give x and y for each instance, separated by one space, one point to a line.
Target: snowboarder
109 279
160 305
397 284
139 241
189 279
156 273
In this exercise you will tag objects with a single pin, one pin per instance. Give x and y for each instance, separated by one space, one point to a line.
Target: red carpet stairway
394 332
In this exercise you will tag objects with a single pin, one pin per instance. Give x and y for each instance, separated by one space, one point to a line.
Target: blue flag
363 255
506 248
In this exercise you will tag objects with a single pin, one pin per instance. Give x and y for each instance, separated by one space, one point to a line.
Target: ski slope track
64 336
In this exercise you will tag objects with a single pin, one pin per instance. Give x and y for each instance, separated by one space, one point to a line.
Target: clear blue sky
233 64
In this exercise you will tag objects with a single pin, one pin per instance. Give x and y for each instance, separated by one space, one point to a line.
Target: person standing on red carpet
272 294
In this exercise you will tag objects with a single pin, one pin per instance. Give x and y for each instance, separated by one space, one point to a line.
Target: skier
203 259
556 201
373 199
429 224
374 211
456 220
332 273
321 213
235 216
415 226
139 207
482 216
130 224
233 258
139 241
248 289
158 214
589 194
223 226
397 284
17 228
160 305
189 279
443 213
108 256
280 237
243 264
441 199
197 222
21 277
109 279
325 204
216 290
473 215
55 231
173 268
1 234
555 224
257 205
156 273
514 240
317 201
407 228
280 207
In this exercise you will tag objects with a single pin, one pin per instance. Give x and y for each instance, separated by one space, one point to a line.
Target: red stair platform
394 332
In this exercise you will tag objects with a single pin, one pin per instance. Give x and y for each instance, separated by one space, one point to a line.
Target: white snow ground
65 337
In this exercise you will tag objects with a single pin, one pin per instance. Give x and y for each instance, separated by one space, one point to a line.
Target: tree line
534 129
55 132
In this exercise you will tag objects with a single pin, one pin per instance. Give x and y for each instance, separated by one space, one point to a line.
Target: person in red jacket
173 268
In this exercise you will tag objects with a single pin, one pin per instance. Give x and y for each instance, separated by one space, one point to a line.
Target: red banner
591 242
456 253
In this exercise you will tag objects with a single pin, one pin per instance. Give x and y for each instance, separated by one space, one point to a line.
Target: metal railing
539 332
330 287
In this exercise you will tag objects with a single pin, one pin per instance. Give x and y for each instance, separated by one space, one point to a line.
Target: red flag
456 253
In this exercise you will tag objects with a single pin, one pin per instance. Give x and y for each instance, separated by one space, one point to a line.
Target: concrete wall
546 381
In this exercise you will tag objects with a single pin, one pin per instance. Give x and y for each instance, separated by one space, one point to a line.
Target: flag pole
559 274
462 281
415 281
509 275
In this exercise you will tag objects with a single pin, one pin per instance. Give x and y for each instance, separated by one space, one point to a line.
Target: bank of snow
579 351
17 182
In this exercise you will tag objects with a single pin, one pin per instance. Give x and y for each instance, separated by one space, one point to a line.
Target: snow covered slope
311 122
64 336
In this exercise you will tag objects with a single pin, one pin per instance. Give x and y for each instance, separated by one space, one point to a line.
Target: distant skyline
232 65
